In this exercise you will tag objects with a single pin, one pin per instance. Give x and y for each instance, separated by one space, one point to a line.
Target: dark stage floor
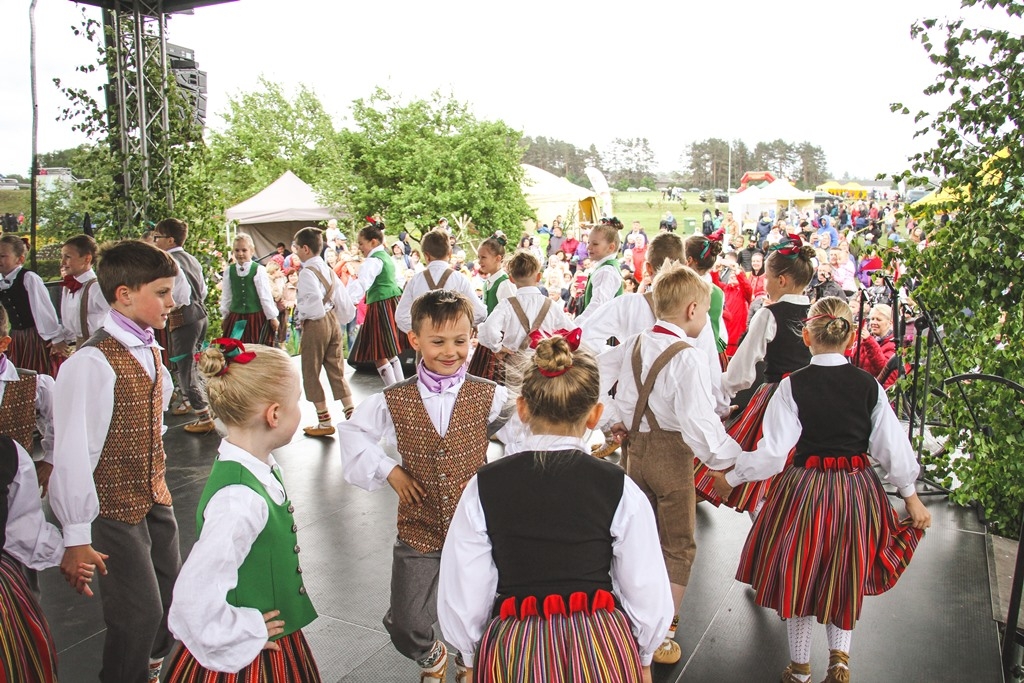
936 625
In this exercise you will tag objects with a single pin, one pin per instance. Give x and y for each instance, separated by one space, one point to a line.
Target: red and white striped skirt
257 329
378 337
293 663
558 645
29 351
825 539
746 430
26 646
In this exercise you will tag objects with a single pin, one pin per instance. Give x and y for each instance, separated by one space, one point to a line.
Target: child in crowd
323 307
513 320
827 535
379 341
108 487
772 337
603 282
497 288
188 322
701 254
437 275
26 406
82 306
246 297
240 601
664 397
27 542
277 284
37 339
447 418
550 570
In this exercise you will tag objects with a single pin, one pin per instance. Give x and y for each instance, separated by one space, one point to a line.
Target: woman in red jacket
738 295
877 345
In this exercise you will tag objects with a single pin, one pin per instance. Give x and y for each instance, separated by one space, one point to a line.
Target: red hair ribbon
371 220
789 246
572 337
234 352
717 235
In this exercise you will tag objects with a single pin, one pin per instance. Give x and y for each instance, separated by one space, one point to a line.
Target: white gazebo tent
550 195
277 212
782 193
747 205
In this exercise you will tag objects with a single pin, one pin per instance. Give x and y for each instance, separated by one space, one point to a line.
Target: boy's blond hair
677 286
523 267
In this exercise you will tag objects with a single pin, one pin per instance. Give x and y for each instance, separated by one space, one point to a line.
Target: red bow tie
72 284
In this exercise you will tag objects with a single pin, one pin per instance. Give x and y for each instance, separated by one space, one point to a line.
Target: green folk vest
717 304
491 293
384 286
589 292
244 297
440 464
270 576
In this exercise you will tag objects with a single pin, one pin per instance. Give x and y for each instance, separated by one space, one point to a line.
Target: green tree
630 162
268 133
972 271
414 162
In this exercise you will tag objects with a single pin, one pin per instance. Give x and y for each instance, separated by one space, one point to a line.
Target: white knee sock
387 373
838 639
396 367
800 631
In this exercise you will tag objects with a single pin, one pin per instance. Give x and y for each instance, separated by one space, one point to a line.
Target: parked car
694 189
916 194
822 197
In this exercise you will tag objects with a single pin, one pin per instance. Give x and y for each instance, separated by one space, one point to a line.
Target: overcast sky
584 72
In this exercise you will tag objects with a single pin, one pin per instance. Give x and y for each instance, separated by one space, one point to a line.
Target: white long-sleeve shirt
762 329
223 637
262 283
628 315
888 443
503 331
71 305
605 283
364 462
81 421
469 578
43 312
31 540
309 301
418 286
44 406
681 399
369 268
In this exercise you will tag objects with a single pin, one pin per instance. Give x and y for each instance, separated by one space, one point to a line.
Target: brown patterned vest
441 465
18 409
130 474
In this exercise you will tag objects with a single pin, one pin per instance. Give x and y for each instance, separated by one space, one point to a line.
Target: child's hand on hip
722 487
409 491
275 627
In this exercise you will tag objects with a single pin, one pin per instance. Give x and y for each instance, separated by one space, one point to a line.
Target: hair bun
554 355
807 252
211 362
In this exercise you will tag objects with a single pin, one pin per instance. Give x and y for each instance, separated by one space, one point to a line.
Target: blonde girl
497 287
247 300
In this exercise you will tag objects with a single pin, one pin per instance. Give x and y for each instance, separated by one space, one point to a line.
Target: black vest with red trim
550 522
787 351
15 300
835 422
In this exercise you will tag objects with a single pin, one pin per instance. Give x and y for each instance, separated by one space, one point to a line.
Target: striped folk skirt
746 430
26 646
29 351
256 331
293 663
487 365
825 539
574 646
379 338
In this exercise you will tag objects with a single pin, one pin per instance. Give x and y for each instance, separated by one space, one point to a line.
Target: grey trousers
413 613
136 591
185 341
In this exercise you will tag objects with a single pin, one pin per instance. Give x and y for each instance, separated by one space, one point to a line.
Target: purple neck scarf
436 383
143 335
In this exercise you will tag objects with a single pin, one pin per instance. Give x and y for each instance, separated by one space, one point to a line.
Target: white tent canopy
550 195
274 214
781 191
746 206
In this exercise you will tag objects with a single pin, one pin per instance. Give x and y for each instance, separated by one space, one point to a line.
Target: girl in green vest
701 254
604 282
378 341
490 262
240 601
246 299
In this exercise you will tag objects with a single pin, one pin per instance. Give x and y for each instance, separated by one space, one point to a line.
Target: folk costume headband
789 246
234 352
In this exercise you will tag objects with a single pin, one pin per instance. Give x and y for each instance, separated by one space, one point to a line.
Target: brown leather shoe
201 427
319 431
838 667
604 451
182 408
790 673
668 652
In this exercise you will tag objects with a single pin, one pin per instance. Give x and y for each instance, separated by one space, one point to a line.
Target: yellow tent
947 196
855 190
832 187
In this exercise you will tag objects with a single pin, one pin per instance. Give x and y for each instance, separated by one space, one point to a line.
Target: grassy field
649 209
14 201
